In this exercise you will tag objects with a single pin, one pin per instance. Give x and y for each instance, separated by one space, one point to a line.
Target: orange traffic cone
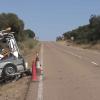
34 75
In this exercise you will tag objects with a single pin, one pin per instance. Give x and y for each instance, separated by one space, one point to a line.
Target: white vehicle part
26 65
20 68
15 53
2 34
1 56
12 45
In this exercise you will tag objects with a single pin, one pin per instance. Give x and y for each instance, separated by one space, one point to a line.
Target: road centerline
94 63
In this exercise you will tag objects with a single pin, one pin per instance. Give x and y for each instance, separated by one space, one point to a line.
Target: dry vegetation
95 47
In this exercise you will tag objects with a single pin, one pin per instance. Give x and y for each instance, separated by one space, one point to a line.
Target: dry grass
28 49
61 42
26 46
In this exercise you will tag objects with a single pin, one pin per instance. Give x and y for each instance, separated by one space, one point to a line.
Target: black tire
28 72
9 69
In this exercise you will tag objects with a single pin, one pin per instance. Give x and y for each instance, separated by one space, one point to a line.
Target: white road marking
77 56
89 60
94 63
81 57
40 87
74 54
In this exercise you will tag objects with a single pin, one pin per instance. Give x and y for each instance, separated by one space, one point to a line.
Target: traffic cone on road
42 72
38 65
34 74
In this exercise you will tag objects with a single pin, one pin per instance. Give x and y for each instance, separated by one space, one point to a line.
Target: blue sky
51 18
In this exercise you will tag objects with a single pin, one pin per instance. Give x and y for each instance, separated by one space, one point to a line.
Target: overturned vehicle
11 61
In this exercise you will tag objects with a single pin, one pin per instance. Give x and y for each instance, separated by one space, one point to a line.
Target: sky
51 18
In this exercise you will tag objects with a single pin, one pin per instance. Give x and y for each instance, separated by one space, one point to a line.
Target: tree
29 33
13 21
87 33
59 38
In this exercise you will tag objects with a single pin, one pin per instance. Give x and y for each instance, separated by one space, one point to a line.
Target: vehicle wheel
9 69
28 72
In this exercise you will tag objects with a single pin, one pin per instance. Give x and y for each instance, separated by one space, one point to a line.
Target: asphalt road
70 73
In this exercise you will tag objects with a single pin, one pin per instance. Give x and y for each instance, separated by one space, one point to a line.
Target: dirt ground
17 90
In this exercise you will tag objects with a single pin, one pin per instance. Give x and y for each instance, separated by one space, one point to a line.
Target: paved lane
70 75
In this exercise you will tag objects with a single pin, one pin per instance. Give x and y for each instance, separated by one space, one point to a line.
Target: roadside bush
26 46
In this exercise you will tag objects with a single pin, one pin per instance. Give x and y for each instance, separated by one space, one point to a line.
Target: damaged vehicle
11 61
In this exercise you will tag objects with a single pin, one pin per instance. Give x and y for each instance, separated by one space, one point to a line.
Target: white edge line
74 54
40 86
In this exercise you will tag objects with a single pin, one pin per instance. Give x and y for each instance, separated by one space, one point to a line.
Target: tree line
17 26
89 33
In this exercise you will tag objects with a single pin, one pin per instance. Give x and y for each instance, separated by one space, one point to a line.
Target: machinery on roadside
11 61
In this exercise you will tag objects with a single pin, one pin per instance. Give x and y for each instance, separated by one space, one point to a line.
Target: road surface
70 74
